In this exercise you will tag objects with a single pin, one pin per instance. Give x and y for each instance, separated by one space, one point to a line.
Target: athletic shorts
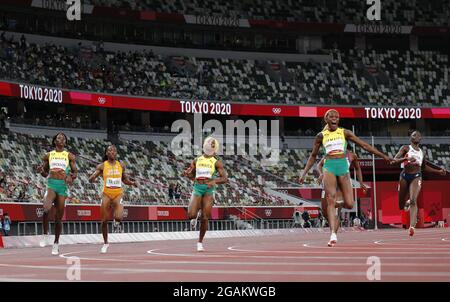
410 177
202 189
112 194
59 186
336 166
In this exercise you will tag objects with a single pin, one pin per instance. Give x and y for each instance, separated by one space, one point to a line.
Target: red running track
290 257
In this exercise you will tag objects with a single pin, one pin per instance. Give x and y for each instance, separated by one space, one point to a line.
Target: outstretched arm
428 169
352 137
126 179
400 156
98 171
312 156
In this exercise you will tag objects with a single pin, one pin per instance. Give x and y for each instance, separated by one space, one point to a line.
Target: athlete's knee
47 207
192 214
348 204
331 198
206 215
413 201
58 216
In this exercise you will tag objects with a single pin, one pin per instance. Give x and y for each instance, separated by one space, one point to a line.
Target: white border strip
33 241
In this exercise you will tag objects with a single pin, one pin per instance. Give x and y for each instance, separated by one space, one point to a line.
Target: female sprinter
202 199
113 176
353 163
56 164
336 169
413 162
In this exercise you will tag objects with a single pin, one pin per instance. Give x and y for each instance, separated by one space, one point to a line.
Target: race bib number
114 182
335 146
58 164
203 173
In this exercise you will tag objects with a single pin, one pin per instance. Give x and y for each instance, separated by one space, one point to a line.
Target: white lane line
414 239
344 250
259 263
31 280
240 272
206 255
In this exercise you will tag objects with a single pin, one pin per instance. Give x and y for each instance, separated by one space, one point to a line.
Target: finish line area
292 255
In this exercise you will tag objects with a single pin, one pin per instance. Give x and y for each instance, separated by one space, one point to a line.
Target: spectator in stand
2 180
177 192
171 192
23 42
21 196
6 223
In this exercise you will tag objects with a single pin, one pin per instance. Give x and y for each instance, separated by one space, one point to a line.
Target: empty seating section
151 163
357 77
354 77
155 167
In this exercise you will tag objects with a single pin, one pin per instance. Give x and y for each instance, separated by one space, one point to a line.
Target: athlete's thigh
207 204
329 185
414 188
105 206
345 186
117 206
194 205
49 198
403 193
60 204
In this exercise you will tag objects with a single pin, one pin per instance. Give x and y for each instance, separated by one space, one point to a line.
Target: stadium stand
397 12
156 167
356 77
151 163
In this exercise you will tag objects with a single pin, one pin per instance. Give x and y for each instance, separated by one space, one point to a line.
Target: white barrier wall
33 241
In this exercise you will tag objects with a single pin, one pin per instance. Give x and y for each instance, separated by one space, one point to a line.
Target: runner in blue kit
413 162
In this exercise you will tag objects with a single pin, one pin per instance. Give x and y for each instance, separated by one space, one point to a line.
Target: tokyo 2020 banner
83 212
36 93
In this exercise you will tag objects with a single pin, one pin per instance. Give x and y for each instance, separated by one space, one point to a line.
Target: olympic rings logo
276 110
39 212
